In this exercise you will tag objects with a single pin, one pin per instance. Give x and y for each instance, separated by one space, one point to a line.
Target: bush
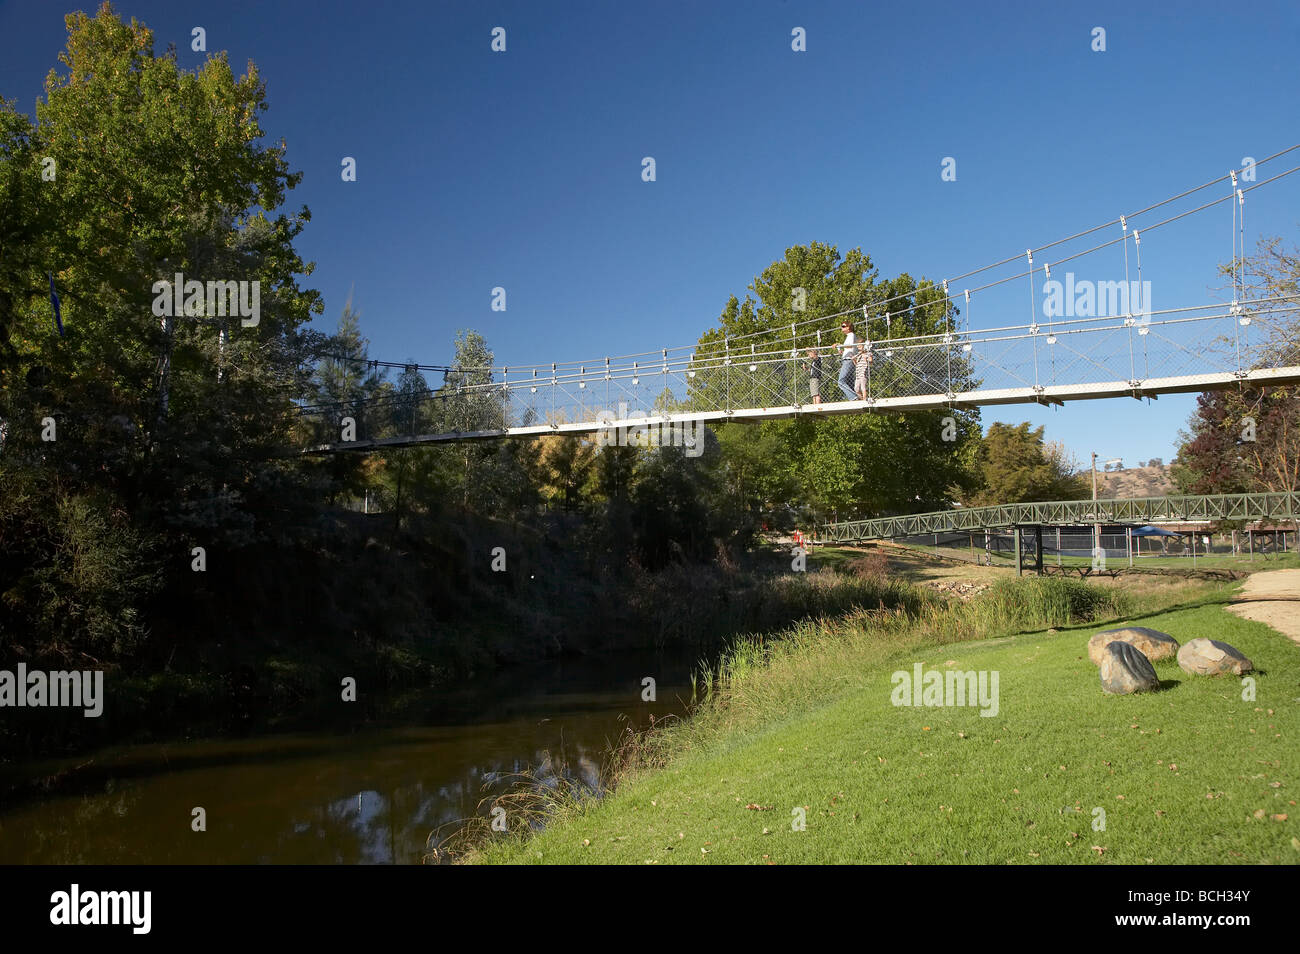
74 574
870 566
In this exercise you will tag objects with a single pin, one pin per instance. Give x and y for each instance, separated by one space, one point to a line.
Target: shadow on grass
1195 603
1207 599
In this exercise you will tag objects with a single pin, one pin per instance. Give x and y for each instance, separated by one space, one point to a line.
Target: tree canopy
1015 465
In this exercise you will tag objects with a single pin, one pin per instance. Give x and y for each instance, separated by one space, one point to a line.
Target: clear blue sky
522 169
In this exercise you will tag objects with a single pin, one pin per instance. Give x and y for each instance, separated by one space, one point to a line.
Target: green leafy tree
346 383
1248 439
563 468
757 472
672 508
852 465
1015 466
158 170
467 400
24 226
167 427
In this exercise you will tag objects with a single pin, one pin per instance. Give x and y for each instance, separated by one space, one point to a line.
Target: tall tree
346 383
1016 466
1248 439
1241 441
1271 274
135 170
852 465
156 170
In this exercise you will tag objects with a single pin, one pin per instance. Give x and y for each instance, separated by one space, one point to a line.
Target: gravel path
1272 598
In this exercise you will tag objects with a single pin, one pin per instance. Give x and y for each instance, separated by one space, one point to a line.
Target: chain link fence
1075 546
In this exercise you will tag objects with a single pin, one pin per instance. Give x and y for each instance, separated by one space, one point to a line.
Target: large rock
1209 657
1124 670
1153 643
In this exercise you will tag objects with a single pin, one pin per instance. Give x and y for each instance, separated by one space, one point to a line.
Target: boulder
1125 670
1209 657
1153 643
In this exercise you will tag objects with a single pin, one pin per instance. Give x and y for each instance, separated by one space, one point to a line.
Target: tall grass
763 679
688 605
854 624
521 804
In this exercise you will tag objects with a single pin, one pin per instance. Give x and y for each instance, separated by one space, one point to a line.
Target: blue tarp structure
1149 531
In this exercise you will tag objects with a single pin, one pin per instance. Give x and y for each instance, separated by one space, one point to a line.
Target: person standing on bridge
861 362
814 368
846 360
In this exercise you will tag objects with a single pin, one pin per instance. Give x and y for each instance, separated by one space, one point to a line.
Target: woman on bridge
846 362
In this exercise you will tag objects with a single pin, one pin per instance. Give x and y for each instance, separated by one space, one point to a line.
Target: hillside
1150 481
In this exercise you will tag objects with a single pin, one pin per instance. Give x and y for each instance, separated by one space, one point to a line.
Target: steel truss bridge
1137 511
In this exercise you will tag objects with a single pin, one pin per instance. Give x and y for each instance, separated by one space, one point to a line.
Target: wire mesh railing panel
1190 346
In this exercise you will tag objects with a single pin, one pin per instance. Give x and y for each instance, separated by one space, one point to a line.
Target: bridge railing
1181 349
1125 510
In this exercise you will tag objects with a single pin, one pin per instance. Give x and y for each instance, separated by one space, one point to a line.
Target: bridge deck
1050 394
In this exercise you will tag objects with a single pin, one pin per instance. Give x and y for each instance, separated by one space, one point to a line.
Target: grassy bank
1241 563
1190 774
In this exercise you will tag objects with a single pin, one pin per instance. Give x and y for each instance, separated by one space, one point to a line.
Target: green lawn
1218 561
1189 774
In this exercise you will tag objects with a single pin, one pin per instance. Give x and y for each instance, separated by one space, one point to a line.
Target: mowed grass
1242 563
913 562
1190 774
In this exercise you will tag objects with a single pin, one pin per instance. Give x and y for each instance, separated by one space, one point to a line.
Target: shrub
870 566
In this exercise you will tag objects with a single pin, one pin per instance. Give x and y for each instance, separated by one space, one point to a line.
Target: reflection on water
371 796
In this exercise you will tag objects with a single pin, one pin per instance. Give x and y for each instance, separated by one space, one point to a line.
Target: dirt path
1272 598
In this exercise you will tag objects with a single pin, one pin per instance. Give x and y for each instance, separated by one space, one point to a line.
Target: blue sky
523 169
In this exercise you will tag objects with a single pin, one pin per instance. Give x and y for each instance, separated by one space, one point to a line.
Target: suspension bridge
936 362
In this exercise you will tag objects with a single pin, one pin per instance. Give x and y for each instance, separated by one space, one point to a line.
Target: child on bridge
814 368
861 361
